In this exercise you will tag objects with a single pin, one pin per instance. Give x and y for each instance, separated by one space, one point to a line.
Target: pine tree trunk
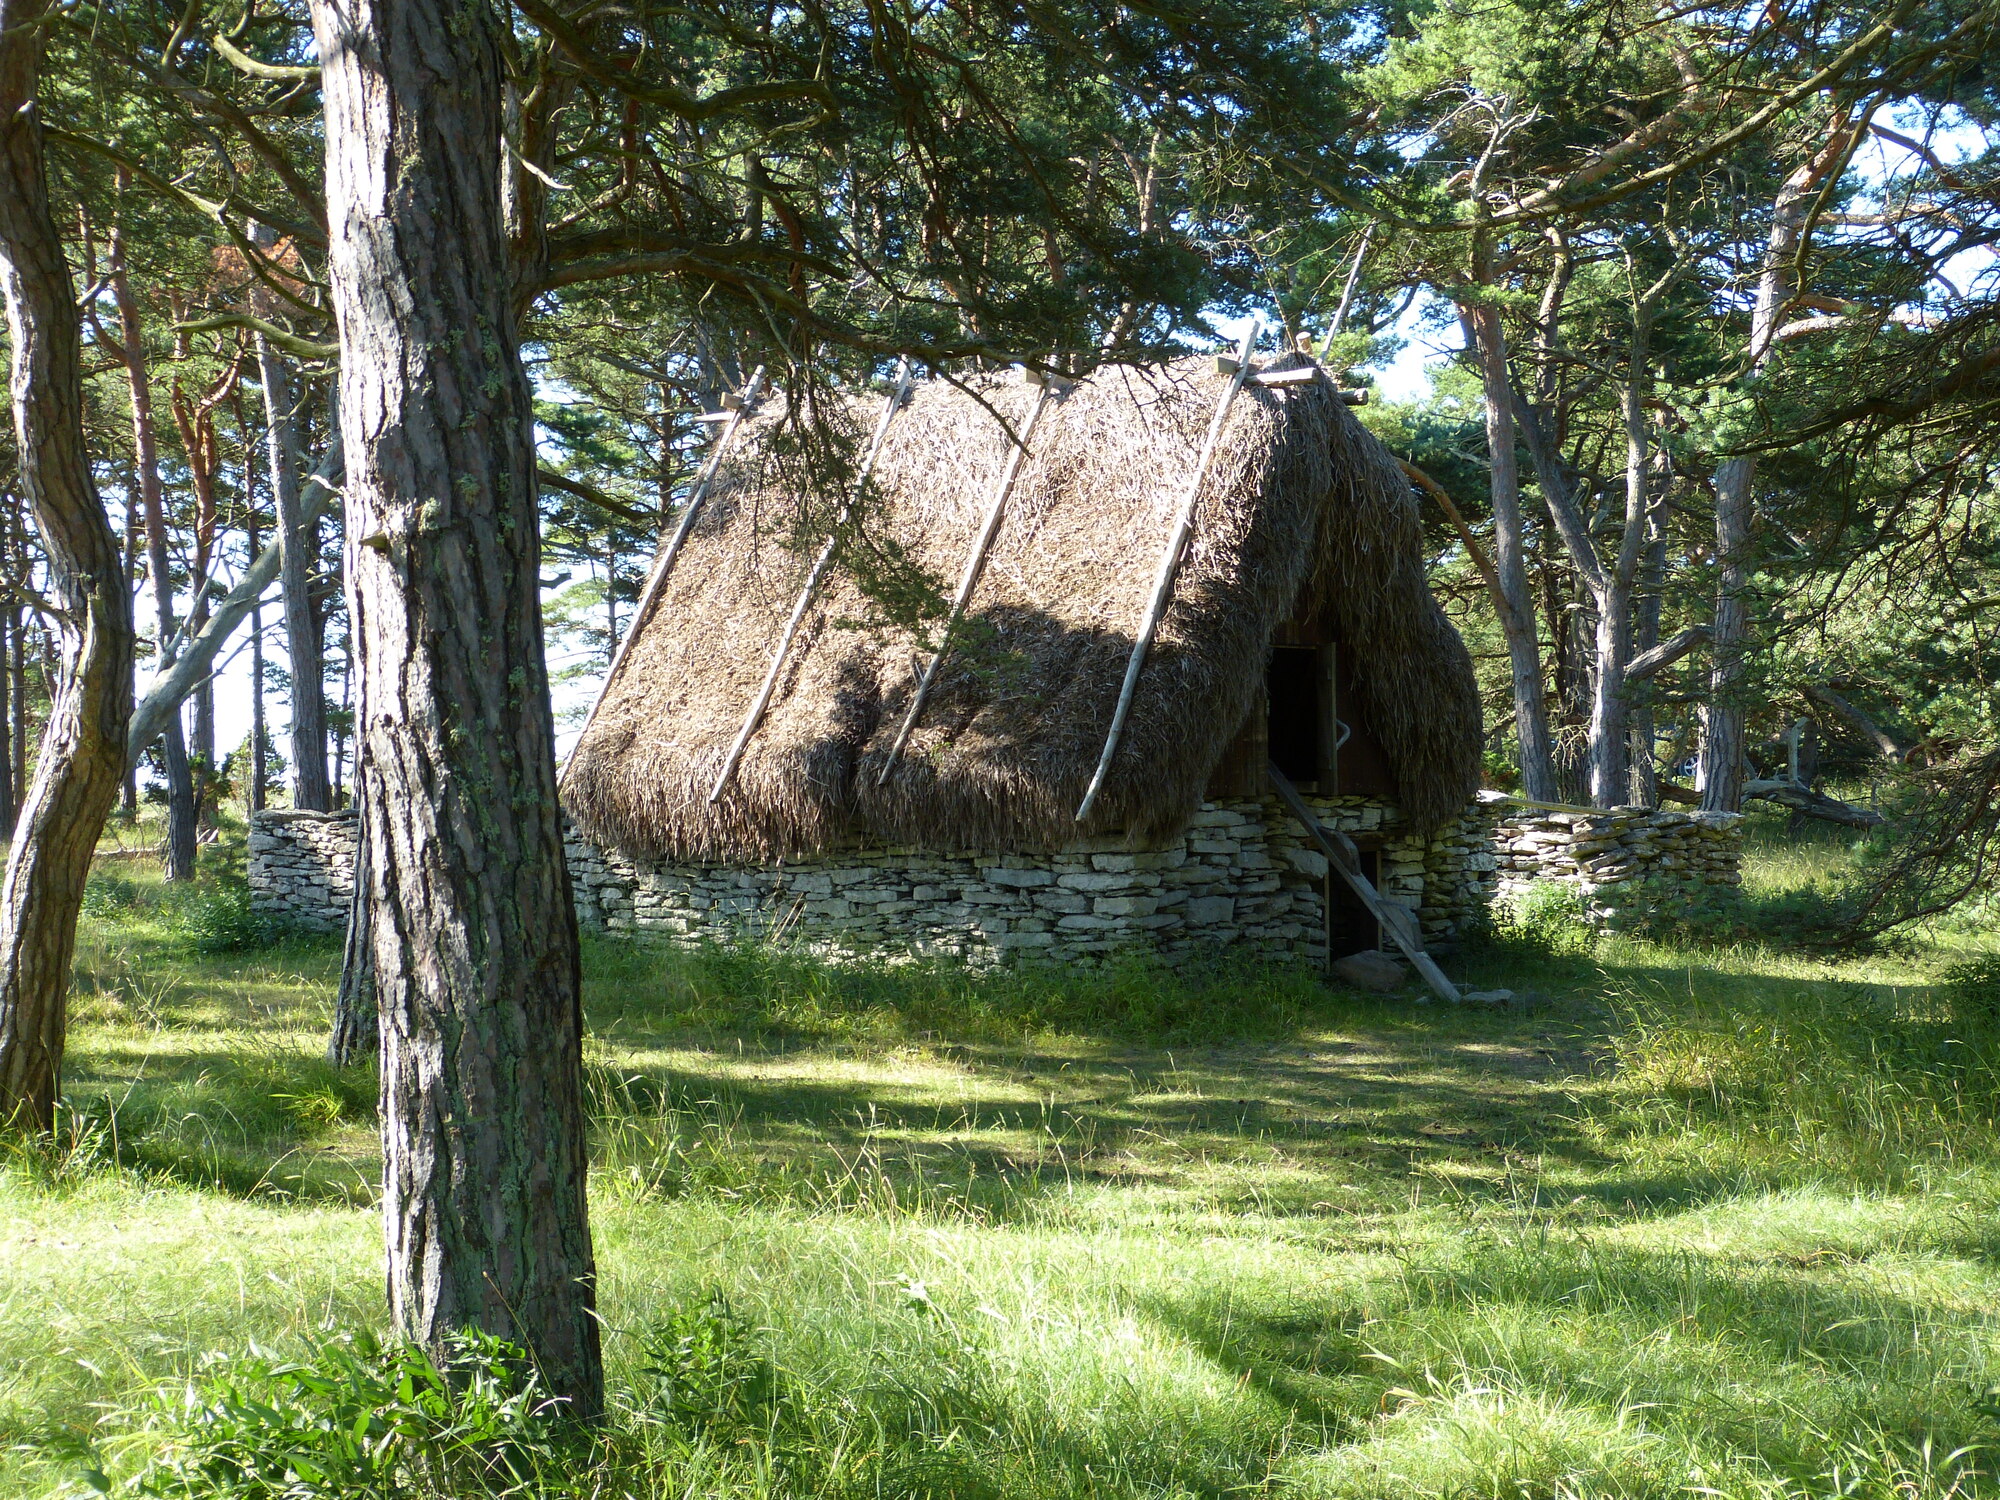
355 1024
83 746
9 624
259 794
181 812
1610 713
17 671
1517 620
298 543
128 791
1722 761
183 817
201 740
1645 730
472 929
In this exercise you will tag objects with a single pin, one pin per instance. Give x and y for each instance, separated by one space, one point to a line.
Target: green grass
1715 1223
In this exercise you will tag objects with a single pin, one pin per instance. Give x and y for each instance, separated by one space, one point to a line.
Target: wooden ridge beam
755 717
739 407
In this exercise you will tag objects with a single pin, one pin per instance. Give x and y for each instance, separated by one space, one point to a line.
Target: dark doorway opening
1293 679
1350 926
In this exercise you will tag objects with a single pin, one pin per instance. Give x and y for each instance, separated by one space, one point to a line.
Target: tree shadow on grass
1744 1360
1277 1128
260 1124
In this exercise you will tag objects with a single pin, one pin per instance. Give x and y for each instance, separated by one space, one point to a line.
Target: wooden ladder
1341 853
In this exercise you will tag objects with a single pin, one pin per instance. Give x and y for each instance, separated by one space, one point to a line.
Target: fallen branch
1878 739
1814 804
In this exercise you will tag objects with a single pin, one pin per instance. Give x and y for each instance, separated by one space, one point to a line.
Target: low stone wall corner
302 867
1599 851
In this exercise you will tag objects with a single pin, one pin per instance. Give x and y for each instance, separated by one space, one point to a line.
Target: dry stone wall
1599 852
302 867
1243 875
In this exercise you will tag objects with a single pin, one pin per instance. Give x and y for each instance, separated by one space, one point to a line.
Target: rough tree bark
298 550
258 792
9 624
473 932
1517 620
355 1019
83 747
17 693
182 815
1720 769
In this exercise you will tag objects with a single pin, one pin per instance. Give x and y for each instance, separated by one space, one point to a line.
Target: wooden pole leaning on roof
974 567
1170 562
811 590
1345 858
736 409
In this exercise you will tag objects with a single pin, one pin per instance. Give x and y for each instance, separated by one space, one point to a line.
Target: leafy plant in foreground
708 1370
357 1418
1549 918
215 916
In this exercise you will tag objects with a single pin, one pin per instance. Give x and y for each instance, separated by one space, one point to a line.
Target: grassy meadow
1685 1222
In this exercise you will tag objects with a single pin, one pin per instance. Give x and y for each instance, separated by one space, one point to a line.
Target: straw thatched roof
1302 508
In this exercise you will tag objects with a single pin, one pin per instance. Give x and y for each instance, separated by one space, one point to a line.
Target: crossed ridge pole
975 566
736 409
1170 562
811 590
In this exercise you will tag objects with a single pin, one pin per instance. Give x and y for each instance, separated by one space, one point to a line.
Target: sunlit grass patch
1683 1222
1862 1082
1475 1438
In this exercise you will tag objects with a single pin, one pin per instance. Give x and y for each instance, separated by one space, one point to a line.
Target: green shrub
1973 987
214 916
707 1369
1547 918
108 893
1695 914
356 1418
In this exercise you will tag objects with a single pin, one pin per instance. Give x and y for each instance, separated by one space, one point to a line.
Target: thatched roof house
1306 531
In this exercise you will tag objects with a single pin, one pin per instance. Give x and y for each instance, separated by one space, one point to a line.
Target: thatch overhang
1302 510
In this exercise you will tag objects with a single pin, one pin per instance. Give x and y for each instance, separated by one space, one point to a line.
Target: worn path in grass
1723 1226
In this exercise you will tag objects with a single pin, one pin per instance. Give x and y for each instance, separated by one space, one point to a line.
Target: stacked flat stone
302 867
1461 874
1597 852
1243 875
